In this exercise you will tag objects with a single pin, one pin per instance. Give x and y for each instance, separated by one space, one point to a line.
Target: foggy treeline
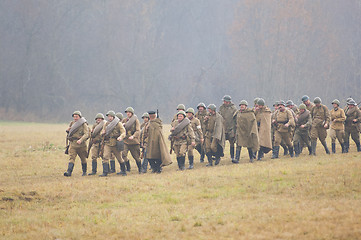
60 56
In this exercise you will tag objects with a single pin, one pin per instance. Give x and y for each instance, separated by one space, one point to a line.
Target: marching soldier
337 125
302 132
96 139
78 133
201 114
132 139
246 131
263 117
143 143
227 111
352 125
113 132
283 121
197 129
214 135
292 106
156 151
306 100
320 124
181 135
120 116
180 107
273 130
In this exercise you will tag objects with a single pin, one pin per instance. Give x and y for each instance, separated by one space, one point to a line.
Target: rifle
157 114
67 143
90 145
171 146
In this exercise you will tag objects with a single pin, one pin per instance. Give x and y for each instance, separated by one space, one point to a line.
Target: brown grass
303 198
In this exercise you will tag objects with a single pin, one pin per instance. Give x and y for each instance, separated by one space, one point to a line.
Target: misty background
99 55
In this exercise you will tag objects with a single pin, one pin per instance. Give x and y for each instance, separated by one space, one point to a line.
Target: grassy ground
299 198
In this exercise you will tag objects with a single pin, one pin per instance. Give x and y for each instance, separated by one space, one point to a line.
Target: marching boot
202 157
84 168
158 165
333 147
347 146
296 147
152 165
127 164
324 144
250 154
105 170
260 154
358 146
190 158
179 163
210 160
313 146
144 165
291 151
112 166
285 149
231 151
183 162
309 150
238 154
70 170
122 170
343 147
139 165
255 154
94 168
275 152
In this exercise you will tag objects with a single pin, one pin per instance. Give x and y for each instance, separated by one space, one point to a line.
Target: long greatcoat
264 130
246 129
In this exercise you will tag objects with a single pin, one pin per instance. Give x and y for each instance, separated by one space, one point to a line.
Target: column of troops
259 129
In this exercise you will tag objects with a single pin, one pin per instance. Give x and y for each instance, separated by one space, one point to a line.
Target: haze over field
59 56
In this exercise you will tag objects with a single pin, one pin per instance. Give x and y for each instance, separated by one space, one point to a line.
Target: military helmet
201 105
261 102
282 103
181 107
305 98
302 106
276 103
352 102
129 109
110 113
99 115
76 113
119 115
243 102
227 98
182 112
349 99
255 101
336 101
212 107
190 110
289 103
145 115
317 100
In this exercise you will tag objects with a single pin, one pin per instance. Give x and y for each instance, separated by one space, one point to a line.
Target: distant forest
60 56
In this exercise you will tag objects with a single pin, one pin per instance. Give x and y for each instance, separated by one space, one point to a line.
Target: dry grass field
289 198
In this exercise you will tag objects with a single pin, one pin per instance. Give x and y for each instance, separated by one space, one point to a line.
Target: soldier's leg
82 153
333 140
94 152
190 156
118 156
182 153
208 151
145 162
72 156
314 136
135 151
286 137
296 143
306 140
231 147
238 154
112 163
284 146
340 134
125 157
322 134
105 160
347 140
355 135
176 148
276 148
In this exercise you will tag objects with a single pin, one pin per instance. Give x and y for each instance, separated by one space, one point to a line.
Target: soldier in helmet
113 132
227 111
246 131
306 100
214 135
78 133
283 121
352 125
143 142
320 123
132 139
120 116
302 132
201 114
337 125
197 129
181 137
263 117
96 139
180 107
273 129
292 106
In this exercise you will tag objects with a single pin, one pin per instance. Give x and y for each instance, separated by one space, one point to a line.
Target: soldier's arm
358 115
199 129
86 133
342 118
328 119
191 134
122 131
137 129
309 122
291 119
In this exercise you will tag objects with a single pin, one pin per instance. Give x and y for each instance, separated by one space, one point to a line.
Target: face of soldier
129 114
351 106
146 119
226 103
190 115
243 107
76 117
201 109
307 102
110 118
211 111
335 105
281 107
318 104
98 120
180 117
302 110
151 116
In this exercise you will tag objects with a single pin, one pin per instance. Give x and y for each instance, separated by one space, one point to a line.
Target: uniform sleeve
199 129
191 133
358 115
137 129
309 122
86 132
327 113
122 131
291 119
342 118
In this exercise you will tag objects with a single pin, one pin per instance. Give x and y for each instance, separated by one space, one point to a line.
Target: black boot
70 170
94 168
254 154
112 166
210 160
105 170
291 151
122 170
275 152
343 147
313 146
152 165
84 168
324 144
218 159
260 154
358 146
183 162
144 165
179 163
347 146
231 151
202 157
250 154
296 146
158 166
190 158
127 164
285 150
309 150
139 165
238 154
333 147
